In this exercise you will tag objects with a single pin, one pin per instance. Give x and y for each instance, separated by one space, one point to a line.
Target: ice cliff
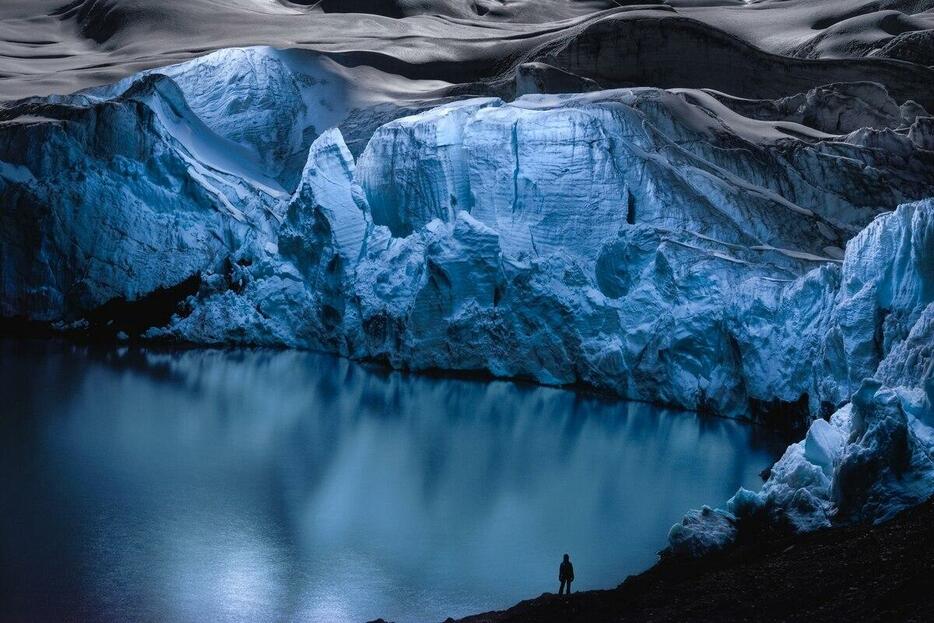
875 455
742 257
871 459
677 246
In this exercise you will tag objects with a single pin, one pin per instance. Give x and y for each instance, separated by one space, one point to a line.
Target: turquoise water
257 485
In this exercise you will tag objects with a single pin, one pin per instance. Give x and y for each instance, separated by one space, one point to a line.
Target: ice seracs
565 172
874 456
872 459
414 168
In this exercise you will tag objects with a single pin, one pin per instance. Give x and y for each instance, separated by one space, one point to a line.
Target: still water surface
257 485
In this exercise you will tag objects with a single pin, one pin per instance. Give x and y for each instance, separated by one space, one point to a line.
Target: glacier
872 458
765 259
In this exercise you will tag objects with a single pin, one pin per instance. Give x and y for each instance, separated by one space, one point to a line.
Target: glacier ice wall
875 455
675 246
871 459
120 198
466 265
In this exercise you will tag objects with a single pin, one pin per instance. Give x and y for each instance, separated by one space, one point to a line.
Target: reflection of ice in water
261 485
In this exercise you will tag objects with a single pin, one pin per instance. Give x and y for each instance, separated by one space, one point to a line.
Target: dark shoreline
856 573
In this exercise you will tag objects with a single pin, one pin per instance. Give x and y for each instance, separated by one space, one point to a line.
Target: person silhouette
565 575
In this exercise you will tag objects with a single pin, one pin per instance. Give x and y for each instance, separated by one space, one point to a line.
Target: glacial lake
263 485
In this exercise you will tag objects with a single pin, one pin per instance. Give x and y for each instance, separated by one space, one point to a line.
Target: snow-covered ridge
59 46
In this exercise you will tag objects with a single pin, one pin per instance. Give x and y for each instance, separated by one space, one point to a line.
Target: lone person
565 575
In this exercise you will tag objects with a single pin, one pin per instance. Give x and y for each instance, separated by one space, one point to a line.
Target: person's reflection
565 575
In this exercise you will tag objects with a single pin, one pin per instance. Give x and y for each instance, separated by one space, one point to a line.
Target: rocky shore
855 573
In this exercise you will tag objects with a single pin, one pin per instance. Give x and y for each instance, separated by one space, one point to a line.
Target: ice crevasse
675 246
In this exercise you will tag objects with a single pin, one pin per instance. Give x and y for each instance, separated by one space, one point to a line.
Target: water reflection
263 485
